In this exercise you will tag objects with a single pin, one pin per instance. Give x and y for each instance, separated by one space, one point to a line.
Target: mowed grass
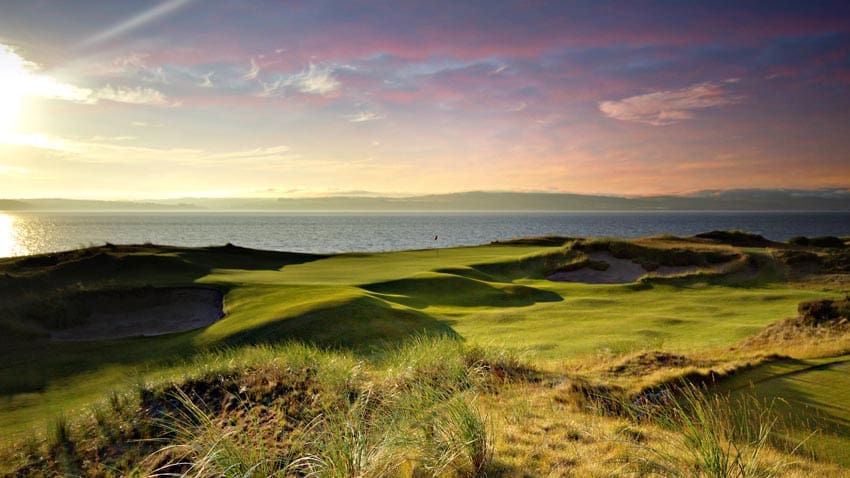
493 295
615 319
806 395
548 320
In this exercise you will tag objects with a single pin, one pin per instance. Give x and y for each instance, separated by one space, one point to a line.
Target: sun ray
136 21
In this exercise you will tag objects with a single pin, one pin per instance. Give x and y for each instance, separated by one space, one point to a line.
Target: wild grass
202 447
279 411
716 436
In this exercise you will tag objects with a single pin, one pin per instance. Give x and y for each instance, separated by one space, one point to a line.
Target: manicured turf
806 395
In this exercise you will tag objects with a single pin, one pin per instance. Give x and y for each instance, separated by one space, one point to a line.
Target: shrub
822 311
823 241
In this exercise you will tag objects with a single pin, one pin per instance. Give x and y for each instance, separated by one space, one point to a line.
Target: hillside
733 200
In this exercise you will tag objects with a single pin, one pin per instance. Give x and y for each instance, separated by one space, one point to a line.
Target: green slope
806 395
494 294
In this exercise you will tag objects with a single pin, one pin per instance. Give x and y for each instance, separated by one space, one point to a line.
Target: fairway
807 395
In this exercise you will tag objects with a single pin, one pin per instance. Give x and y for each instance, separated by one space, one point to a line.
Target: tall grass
351 442
413 414
205 448
426 432
418 418
715 437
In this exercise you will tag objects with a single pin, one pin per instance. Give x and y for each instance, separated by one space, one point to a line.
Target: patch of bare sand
619 271
147 312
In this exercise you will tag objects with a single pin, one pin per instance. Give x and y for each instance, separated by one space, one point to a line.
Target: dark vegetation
737 238
824 241
537 241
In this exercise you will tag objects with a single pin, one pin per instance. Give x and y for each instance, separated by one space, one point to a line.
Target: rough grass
281 411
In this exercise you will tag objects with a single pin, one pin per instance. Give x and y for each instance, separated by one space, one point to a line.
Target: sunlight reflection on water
9 244
34 232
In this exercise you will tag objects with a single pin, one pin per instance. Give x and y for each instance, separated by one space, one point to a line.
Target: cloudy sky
155 99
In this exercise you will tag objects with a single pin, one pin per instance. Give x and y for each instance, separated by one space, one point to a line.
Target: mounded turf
496 295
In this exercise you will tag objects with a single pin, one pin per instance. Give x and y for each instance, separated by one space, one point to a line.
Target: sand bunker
619 271
146 312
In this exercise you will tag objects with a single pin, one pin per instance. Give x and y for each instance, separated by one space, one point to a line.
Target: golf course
720 354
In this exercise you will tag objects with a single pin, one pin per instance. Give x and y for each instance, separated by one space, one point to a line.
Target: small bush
796 257
817 312
823 241
826 241
736 238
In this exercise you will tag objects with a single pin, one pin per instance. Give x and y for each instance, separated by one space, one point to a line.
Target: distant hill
58 204
734 200
12 205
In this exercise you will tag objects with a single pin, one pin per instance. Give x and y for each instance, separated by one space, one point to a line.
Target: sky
208 98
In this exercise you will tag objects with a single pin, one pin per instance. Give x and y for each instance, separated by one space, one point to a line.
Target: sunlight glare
9 245
19 79
13 77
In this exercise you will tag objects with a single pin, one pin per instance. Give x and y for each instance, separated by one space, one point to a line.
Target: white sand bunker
146 312
619 271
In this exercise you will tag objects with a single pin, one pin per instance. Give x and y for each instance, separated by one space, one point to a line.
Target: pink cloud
663 108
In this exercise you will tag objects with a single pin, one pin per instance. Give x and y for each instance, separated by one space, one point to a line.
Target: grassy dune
731 287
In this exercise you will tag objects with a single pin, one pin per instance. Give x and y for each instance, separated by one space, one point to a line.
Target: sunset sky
160 99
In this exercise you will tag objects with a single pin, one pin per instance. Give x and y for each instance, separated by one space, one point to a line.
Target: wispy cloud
207 80
134 65
272 89
145 124
22 78
252 73
116 153
45 87
316 80
365 116
663 108
134 96
136 21
256 153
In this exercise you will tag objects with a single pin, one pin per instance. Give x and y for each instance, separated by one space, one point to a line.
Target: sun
13 87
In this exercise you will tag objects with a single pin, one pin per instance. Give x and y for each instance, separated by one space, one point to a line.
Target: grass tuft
714 439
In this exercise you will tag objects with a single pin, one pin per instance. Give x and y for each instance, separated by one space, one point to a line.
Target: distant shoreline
747 200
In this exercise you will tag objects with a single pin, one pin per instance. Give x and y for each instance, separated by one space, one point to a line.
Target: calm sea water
31 233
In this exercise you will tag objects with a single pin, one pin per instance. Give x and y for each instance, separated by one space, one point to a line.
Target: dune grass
275 411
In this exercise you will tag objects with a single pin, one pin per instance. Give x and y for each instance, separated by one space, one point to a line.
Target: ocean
330 232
